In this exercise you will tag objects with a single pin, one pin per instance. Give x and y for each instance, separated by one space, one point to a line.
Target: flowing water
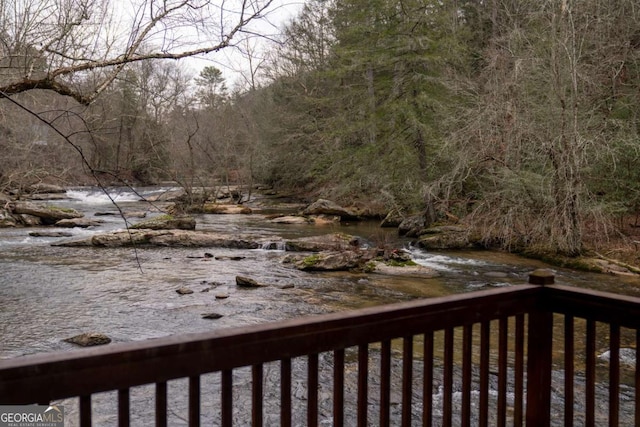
49 293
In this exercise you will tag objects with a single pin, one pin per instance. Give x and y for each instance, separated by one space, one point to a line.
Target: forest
517 118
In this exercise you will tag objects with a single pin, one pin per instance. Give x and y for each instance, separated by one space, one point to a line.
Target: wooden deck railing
509 355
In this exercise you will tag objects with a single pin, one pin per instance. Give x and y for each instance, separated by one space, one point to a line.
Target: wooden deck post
539 353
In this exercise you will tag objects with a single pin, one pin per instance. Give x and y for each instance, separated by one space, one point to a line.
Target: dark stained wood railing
482 358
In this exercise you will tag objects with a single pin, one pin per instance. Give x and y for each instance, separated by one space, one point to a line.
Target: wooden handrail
119 367
46 377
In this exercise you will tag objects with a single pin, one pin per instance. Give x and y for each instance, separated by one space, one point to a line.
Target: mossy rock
167 222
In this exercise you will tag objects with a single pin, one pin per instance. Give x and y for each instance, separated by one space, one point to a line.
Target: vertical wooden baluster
614 375
226 398
312 401
256 395
285 392
518 372
569 372
407 380
385 383
338 388
503 328
427 383
447 379
363 384
485 330
161 404
123 408
590 375
194 401
85 411
467 348
539 351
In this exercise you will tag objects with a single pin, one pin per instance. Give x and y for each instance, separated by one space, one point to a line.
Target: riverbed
50 293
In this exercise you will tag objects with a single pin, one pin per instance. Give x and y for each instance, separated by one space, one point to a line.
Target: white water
106 196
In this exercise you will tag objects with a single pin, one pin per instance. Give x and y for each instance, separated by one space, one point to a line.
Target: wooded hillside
520 117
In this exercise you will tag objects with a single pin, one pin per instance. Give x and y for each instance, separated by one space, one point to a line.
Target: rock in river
89 339
246 282
79 222
167 222
212 316
327 207
47 214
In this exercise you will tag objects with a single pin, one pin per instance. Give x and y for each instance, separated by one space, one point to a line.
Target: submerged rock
89 339
79 222
290 219
50 234
220 208
212 316
184 291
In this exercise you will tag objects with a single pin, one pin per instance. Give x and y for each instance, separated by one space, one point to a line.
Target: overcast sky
231 61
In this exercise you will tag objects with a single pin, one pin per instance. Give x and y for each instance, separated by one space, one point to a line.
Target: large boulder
334 261
167 222
409 269
48 214
327 207
172 238
326 242
167 196
184 238
446 237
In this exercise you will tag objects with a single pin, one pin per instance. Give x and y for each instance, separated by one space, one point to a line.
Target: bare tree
77 48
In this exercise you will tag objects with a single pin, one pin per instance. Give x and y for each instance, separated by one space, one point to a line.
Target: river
49 293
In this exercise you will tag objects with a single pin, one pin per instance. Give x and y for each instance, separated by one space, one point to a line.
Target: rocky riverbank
37 207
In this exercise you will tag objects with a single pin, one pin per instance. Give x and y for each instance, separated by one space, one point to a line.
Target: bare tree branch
57 44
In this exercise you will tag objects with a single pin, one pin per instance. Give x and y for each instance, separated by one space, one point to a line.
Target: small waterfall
274 246
97 196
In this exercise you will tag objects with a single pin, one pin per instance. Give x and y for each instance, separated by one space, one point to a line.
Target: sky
231 61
